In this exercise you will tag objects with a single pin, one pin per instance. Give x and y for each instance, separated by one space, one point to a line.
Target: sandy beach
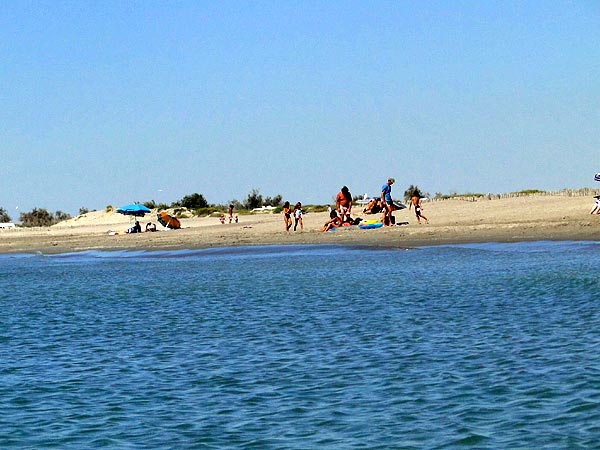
452 221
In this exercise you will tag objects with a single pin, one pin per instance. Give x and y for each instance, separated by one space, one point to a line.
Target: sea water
475 346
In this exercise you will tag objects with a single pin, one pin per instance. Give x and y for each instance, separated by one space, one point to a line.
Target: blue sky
105 103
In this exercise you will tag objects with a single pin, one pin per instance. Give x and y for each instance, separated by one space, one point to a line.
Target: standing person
298 216
287 216
415 201
230 212
596 208
387 202
343 203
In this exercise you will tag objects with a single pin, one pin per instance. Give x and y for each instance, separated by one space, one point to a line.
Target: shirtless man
416 202
343 203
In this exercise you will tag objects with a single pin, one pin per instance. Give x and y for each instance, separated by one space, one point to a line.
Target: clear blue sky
105 103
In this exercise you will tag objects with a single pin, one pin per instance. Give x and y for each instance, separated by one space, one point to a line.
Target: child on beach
287 216
298 216
416 202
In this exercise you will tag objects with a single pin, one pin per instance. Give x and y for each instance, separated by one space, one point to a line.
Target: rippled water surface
482 346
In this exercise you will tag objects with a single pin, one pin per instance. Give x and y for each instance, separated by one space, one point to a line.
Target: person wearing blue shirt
388 203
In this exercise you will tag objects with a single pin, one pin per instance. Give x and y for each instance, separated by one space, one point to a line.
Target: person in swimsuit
416 202
287 216
373 207
343 203
333 222
298 216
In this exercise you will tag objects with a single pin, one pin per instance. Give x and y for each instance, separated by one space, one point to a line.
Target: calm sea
490 346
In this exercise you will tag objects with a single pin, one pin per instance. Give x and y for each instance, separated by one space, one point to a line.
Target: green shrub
204 212
4 217
37 218
529 192
315 208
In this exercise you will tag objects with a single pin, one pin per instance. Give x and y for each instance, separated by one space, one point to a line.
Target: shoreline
521 219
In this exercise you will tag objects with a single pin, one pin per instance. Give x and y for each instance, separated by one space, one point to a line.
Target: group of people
341 215
388 207
137 228
296 213
230 214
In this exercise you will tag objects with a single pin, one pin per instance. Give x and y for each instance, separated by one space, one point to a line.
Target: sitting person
333 222
373 207
137 228
150 226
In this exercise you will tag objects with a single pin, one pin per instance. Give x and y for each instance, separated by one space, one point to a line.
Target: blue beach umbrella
134 209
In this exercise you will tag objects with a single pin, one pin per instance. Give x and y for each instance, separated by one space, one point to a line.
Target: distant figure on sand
596 208
230 212
343 203
416 202
333 222
150 226
298 216
387 202
137 228
287 216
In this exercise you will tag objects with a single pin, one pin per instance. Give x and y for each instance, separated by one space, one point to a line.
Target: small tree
275 201
194 201
83 210
254 200
4 217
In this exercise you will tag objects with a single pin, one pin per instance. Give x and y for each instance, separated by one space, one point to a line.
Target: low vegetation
40 217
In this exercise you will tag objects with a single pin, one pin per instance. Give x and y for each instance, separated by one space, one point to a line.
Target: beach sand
452 221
